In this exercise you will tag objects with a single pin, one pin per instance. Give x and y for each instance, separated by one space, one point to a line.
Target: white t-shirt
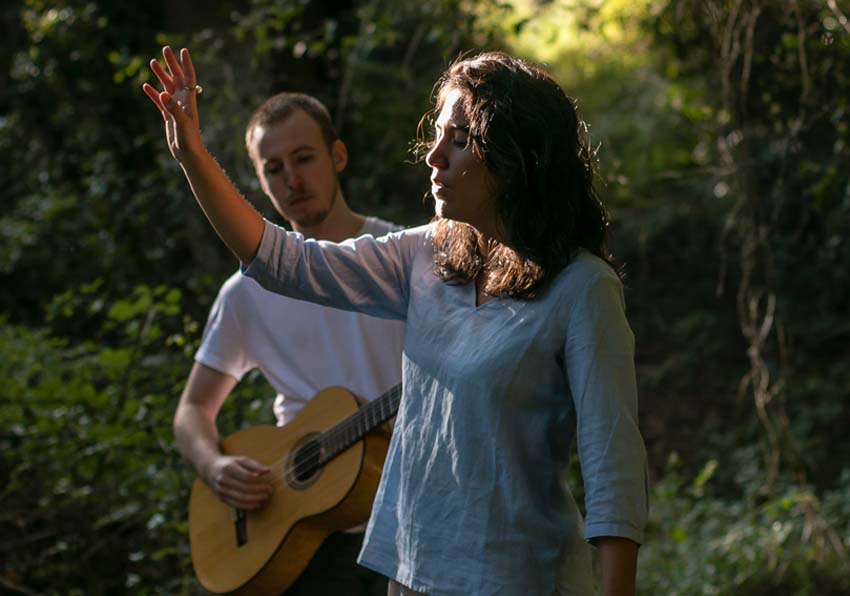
300 347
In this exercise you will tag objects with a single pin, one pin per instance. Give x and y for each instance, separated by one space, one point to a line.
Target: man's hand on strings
240 481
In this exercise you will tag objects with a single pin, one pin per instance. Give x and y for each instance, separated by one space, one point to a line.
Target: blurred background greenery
724 149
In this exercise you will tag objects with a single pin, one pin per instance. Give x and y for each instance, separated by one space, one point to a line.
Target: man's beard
312 220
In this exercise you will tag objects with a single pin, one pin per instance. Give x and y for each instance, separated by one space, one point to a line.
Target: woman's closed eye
460 138
459 135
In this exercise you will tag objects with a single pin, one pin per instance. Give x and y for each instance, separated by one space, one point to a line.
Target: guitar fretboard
342 436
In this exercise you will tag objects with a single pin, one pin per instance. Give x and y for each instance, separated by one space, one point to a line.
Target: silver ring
196 88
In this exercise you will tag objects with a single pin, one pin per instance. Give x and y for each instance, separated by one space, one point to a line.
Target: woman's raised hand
178 102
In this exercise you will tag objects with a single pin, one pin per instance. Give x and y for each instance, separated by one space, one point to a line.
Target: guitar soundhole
304 462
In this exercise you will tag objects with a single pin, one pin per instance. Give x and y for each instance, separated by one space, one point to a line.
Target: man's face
296 168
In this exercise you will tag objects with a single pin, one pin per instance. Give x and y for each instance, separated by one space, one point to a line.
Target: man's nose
292 178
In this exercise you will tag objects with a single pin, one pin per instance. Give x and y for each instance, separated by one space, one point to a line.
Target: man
301 348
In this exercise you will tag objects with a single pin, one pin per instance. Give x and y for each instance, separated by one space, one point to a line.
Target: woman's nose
436 156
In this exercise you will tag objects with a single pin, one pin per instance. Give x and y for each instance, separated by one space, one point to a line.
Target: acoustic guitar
326 463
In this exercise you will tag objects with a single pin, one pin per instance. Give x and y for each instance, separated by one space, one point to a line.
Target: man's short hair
278 107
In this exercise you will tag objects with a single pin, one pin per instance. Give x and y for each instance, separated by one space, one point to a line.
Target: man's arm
238 481
618 559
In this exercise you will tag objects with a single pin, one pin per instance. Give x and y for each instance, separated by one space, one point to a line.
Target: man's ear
339 154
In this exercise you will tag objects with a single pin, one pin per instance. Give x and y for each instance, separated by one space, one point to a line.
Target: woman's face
463 188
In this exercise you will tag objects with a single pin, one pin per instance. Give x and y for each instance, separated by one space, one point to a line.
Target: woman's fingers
176 101
174 107
189 79
165 79
188 68
153 95
178 81
174 79
174 67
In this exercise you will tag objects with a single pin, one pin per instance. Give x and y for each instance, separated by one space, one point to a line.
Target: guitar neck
342 436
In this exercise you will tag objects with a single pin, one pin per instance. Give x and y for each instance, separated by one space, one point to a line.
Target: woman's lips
437 186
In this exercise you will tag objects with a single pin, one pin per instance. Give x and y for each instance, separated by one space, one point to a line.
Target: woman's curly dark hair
527 132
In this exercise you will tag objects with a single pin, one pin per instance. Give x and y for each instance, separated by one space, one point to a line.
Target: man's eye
273 169
304 158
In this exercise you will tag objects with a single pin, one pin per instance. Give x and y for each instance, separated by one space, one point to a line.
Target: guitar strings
343 430
340 432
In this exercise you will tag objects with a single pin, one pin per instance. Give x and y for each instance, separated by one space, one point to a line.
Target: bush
94 491
701 542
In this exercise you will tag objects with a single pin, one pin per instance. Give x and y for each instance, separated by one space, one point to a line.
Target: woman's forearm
233 218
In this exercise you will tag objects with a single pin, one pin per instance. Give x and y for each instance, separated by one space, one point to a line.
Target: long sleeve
599 356
365 274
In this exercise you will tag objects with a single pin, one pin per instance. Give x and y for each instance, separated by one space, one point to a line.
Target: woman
516 341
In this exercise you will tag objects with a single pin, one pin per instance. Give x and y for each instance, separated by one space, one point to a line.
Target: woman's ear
339 154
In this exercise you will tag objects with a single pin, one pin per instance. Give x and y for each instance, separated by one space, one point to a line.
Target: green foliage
701 542
88 464
90 474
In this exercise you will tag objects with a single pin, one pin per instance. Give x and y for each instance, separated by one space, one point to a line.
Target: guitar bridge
240 523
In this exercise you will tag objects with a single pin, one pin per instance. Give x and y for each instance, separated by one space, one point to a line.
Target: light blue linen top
471 499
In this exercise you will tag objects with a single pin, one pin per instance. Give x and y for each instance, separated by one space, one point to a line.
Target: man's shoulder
376 226
237 284
240 291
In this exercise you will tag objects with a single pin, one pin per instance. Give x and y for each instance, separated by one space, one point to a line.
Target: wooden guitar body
266 551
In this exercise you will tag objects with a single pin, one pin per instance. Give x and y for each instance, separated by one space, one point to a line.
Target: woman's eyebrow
451 125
